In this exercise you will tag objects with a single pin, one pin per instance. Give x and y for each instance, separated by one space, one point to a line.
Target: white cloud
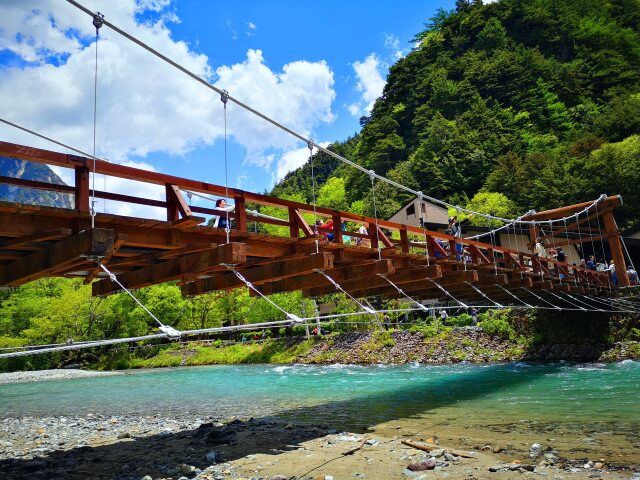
300 97
143 104
292 159
391 42
370 84
252 29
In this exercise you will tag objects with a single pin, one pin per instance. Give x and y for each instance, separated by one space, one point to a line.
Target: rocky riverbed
468 344
207 448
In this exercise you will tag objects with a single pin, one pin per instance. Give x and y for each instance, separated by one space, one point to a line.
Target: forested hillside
538 100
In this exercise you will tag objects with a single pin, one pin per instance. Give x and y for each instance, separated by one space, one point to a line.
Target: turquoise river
583 410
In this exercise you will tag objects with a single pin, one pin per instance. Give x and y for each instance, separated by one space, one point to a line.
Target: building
436 218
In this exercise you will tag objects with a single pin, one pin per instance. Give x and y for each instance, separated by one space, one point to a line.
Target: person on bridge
220 221
633 276
539 248
591 263
362 230
612 269
560 255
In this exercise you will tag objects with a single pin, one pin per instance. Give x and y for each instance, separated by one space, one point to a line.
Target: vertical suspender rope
98 21
224 98
566 232
604 256
313 192
372 175
424 229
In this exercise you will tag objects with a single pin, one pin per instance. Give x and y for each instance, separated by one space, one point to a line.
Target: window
411 209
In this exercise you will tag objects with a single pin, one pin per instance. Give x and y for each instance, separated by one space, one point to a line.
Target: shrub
462 320
498 324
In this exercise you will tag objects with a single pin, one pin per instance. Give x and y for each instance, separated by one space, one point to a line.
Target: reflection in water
575 407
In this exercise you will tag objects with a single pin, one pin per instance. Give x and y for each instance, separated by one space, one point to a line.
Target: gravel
41 375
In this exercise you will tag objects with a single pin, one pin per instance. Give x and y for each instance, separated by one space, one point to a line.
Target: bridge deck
39 241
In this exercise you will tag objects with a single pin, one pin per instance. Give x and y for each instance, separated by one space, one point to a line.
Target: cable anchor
98 21
224 97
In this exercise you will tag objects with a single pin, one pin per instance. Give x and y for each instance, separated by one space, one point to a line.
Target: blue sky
314 66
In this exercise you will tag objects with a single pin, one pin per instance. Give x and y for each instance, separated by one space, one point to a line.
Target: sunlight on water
579 400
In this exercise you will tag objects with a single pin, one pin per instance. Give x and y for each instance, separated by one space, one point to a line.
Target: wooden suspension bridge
39 241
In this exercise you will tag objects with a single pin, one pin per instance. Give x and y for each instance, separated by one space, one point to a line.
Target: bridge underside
392 261
39 242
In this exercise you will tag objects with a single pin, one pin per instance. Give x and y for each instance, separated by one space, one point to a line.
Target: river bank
207 448
446 346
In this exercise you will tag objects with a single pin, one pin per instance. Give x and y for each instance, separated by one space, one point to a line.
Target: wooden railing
382 234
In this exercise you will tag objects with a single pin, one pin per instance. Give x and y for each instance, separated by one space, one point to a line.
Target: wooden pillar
534 231
294 231
82 190
373 236
240 211
337 227
404 240
613 236
173 213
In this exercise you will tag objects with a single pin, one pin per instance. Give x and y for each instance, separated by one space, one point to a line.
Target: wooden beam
259 274
360 285
175 268
609 202
300 222
58 256
120 241
35 238
153 257
359 271
615 246
176 206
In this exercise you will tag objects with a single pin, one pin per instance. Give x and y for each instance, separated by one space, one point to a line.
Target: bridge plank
175 268
56 257
258 274
34 238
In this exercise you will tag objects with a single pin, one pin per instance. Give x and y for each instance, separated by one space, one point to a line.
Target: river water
587 410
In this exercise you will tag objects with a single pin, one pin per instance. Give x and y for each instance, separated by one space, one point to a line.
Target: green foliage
462 320
507 98
379 340
497 323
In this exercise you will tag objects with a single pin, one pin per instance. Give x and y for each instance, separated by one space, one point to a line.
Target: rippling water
579 404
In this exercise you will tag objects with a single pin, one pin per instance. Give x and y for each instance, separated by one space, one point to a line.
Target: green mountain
537 100
10 167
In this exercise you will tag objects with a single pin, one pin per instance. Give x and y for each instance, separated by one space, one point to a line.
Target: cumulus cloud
143 104
292 159
370 84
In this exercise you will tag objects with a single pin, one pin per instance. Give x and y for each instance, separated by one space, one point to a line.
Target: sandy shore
154 447
40 375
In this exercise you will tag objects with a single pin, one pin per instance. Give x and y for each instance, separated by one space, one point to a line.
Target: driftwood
354 450
428 447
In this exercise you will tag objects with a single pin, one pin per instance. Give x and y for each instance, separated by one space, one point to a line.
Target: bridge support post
613 236
82 189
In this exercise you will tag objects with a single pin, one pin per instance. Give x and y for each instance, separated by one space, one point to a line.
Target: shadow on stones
133 458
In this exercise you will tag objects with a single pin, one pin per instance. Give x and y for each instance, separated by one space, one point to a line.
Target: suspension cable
291 316
98 20
514 296
279 125
402 292
369 310
168 330
224 98
484 295
555 307
446 292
